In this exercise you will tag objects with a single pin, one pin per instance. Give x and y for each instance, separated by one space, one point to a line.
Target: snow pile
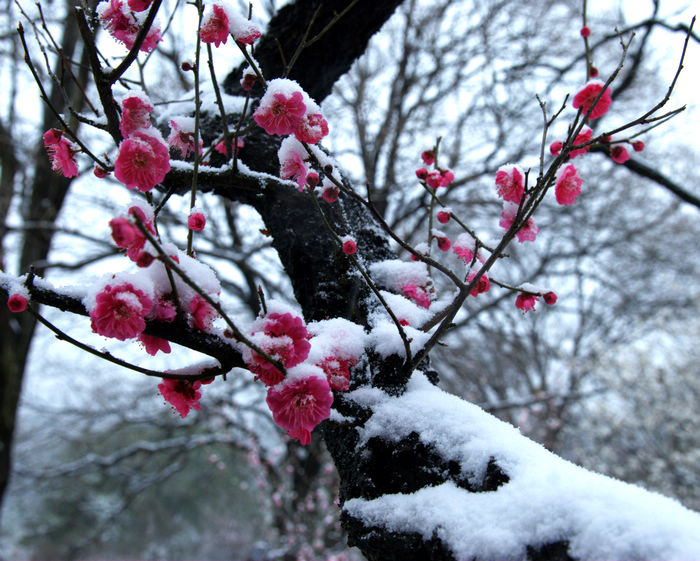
546 500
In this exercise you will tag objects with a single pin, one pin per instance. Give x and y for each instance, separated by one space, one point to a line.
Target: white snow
546 500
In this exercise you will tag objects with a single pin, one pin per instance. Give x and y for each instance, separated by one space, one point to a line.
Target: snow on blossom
526 302
120 308
292 156
182 136
619 154
349 245
242 29
527 233
443 241
282 107
509 183
215 26
419 294
283 336
153 344
585 135
143 160
439 178
464 247
312 128
183 395
407 311
196 220
17 303
61 153
587 95
124 24
336 346
568 185
301 401
248 78
136 113
393 274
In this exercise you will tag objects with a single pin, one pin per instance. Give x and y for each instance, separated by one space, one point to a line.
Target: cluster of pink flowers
128 236
143 160
284 338
436 178
224 20
286 109
525 301
510 187
183 394
61 153
124 20
419 294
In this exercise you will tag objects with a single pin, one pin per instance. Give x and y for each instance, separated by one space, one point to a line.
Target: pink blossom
248 79
586 97
311 128
312 179
585 135
526 302
337 372
164 310
619 154
183 395
120 312
285 339
443 217
215 27
465 247
136 114
555 148
124 26
527 233
443 243
221 146
349 246
243 30
17 303
422 173
509 183
182 136
282 115
128 236
550 298
61 153
202 313
330 193
143 161
294 167
416 293
153 344
568 185
439 178
638 146
196 221
428 157
482 285
299 405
